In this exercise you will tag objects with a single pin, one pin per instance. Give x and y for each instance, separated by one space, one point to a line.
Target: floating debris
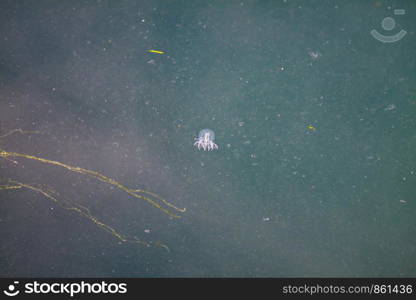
156 51
314 54
390 107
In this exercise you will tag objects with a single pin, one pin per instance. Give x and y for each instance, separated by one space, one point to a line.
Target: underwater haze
104 163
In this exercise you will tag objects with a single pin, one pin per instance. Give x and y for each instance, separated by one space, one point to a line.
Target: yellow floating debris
156 51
